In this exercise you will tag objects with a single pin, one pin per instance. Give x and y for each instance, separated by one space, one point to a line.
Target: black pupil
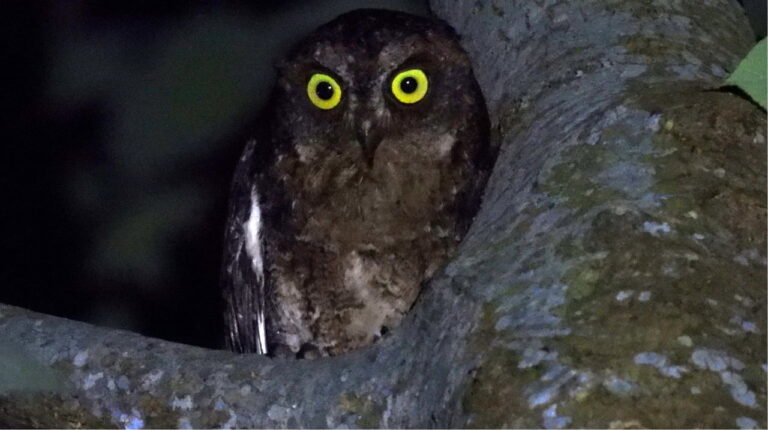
324 90
408 85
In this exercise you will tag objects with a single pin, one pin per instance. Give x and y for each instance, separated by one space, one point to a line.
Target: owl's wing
243 280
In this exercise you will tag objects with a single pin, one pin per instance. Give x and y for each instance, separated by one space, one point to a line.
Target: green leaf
750 75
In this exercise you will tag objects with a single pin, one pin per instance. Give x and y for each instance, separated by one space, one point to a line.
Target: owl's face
373 83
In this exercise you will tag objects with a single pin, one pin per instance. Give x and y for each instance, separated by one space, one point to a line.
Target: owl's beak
369 140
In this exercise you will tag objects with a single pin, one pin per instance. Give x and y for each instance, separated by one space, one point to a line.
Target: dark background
121 125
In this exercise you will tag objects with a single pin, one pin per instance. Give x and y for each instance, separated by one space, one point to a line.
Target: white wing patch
253 246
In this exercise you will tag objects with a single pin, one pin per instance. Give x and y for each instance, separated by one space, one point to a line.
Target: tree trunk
614 277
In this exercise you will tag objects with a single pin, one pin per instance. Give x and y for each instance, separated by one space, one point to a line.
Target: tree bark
614 276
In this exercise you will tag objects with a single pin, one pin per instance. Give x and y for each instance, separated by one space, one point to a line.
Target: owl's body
344 206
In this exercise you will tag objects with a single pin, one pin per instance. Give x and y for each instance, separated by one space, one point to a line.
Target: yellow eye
410 86
323 91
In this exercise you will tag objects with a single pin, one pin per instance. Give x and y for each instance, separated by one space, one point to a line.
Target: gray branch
614 277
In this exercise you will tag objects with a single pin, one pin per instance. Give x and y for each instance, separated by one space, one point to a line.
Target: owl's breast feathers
401 196
362 238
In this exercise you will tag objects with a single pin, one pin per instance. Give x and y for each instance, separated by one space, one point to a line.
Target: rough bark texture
615 276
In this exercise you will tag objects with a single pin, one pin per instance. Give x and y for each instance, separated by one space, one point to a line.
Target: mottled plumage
343 206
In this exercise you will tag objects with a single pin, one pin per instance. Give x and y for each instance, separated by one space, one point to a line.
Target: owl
364 177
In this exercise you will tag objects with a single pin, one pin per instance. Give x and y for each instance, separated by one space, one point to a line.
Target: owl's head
373 76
